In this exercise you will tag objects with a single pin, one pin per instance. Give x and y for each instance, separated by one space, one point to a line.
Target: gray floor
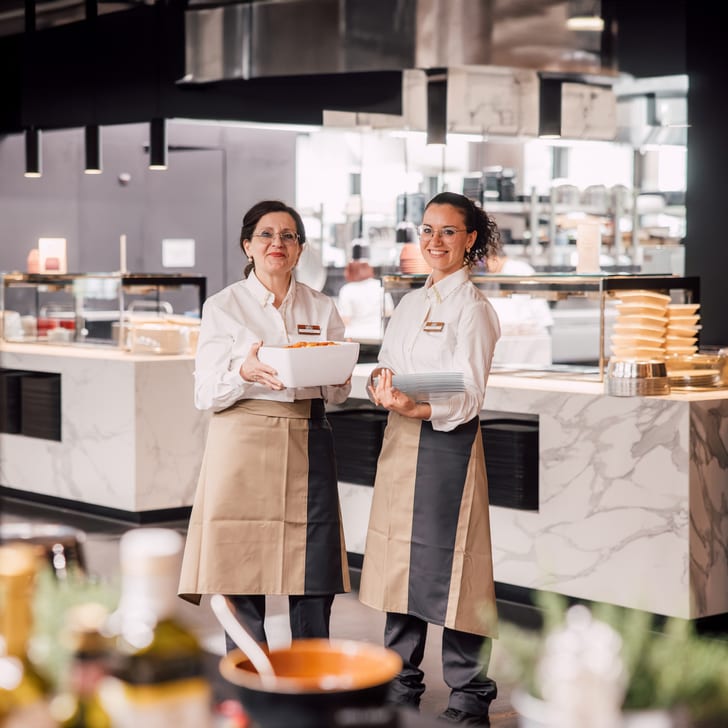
350 619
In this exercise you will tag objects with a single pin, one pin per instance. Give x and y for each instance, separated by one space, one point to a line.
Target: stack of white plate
429 385
640 326
683 324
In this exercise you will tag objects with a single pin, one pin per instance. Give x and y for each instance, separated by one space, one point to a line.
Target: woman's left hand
389 397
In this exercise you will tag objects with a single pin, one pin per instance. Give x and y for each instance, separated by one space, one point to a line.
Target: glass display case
559 325
95 308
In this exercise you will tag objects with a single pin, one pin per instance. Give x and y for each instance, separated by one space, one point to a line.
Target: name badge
433 326
309 330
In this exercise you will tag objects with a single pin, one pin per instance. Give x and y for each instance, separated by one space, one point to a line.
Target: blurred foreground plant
668 665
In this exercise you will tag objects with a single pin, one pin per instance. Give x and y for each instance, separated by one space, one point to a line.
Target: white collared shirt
414 342
242 314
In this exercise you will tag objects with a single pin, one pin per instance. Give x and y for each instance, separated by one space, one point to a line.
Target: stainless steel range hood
237 40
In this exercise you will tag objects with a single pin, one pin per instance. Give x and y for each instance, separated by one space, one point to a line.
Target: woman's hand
389 397
255 371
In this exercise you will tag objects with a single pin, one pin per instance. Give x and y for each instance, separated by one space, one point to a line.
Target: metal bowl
636 377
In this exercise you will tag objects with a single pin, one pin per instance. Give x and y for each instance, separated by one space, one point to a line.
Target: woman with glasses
266 516
428 558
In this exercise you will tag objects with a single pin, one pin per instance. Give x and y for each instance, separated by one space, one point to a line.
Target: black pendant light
437 106
158 144
92 135
33 156
549 108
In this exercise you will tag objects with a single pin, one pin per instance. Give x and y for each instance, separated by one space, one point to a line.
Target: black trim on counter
159 515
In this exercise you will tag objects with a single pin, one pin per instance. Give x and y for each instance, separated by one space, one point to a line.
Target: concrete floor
350 618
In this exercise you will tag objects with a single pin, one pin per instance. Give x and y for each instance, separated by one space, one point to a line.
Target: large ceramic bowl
315 678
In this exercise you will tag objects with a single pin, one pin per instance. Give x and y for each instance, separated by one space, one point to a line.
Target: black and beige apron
266 516
428 548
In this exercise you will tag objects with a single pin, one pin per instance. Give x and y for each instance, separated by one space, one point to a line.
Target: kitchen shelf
600 291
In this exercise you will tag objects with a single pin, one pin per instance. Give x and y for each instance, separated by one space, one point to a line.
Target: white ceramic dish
640 294
630 329
683 320
641 352
640 309
642 320
312 366
682 309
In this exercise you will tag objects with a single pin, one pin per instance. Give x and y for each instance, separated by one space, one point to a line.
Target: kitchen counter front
131 440
631 509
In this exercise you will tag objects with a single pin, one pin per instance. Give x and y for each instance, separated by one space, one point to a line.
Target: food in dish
303 344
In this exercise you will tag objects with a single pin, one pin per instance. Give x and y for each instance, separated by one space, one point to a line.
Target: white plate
429 385
312 366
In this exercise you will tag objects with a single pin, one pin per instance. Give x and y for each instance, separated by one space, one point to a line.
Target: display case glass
95 308
558 325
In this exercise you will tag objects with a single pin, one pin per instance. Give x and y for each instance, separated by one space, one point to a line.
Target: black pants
309 615
465 659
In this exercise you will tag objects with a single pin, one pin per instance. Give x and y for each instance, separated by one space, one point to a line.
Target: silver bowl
636 377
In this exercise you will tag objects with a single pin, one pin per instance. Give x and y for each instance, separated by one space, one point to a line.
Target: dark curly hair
252 218
487 242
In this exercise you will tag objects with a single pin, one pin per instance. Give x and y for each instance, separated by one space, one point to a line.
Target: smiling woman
427 557
251 536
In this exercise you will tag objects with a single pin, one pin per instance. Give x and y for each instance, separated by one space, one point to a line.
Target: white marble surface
632 505
131 438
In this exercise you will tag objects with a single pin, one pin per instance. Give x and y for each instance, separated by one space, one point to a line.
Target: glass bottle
156 677
79 705
24 691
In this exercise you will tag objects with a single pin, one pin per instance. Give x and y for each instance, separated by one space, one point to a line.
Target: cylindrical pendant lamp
92 135
33 156
158 144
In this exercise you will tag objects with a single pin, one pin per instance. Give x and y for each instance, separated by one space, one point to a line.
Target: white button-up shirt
415 342
242 314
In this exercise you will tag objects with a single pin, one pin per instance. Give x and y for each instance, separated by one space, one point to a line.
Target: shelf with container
595 295
92 308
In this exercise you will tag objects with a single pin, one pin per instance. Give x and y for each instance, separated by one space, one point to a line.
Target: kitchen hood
247 40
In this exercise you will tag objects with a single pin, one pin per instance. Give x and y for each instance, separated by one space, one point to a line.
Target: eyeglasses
447 233
286 237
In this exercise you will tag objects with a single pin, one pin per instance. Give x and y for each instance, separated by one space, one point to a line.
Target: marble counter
632 497
131 438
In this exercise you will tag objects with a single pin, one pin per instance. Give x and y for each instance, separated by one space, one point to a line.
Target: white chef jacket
365 304
242 314
414 342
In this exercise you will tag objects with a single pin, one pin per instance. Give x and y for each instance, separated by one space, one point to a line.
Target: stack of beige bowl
640 326
682 329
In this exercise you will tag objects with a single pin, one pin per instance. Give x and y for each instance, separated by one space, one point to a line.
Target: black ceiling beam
125 67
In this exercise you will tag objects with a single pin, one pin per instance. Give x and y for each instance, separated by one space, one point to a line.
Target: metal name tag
309 330
433 326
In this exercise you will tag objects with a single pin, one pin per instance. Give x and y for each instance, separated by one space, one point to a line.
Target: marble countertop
87 352
546 383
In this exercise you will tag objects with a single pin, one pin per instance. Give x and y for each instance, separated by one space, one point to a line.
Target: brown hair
487 242
252 218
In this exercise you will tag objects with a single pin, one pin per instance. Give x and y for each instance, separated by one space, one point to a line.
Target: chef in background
362 302
266 516
428 557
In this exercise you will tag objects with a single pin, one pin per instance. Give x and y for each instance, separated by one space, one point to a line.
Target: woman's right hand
255 371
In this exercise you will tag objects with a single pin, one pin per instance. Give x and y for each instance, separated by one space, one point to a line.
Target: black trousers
309 615
465 659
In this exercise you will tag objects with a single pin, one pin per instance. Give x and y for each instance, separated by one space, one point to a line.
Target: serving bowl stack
630 378
641 326
683 324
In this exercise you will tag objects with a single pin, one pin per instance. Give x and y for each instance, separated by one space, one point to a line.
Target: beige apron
428 550
266 517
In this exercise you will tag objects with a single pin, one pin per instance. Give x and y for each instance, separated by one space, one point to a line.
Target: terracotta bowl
314 679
